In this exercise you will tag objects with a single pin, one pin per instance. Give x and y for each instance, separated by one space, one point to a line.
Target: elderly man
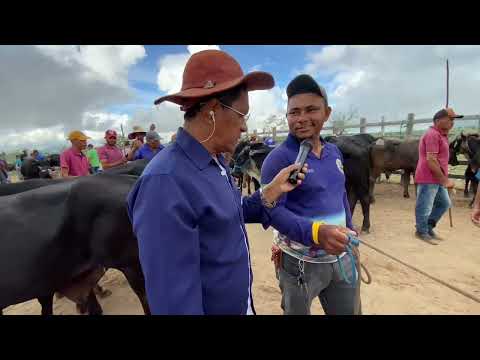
110 154
187 214
137 137
431 176
72 161
311 268
148 150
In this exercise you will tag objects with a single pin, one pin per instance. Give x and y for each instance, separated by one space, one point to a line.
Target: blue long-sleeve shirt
321 197
189 220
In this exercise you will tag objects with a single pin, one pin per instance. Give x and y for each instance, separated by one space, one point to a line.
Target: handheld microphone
305 147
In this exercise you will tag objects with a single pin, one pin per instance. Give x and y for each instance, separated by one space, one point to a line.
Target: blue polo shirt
189 220
321 197
146 152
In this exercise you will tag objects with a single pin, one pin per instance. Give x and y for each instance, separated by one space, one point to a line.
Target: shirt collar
195 151
438 131
76 151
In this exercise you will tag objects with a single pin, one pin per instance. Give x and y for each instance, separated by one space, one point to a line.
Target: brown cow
392 155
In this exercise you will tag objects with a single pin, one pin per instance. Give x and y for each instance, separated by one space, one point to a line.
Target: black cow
356 155
91 305
391 155
57 234
469 145
248 159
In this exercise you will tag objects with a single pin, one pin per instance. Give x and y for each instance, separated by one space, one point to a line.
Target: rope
440 281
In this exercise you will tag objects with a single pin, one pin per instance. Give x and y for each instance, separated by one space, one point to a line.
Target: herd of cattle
60 235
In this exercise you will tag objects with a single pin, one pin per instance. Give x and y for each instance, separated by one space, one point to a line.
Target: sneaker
425 237
433 235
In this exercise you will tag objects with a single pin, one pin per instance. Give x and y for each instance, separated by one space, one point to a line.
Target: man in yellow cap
72 161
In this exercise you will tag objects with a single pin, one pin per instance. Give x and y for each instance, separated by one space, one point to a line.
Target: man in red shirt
431 175
72 161
110 154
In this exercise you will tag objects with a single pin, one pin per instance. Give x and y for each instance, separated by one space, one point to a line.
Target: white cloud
393 81
47 88
107 63
170 74
263 104
192 49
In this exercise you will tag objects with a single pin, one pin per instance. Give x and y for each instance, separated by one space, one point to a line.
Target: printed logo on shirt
340 166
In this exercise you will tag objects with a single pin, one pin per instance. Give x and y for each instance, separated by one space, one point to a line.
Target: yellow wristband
315 226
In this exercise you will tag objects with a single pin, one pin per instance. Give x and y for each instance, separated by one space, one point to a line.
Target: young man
308 267
110 154
431 176
92 157
72 161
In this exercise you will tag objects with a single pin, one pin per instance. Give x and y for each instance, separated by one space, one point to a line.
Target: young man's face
306 114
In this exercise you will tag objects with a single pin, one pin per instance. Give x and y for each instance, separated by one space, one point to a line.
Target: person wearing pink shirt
110 154
431 176
72 161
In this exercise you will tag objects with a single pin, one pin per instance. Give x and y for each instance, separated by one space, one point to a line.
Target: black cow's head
454 150
34 169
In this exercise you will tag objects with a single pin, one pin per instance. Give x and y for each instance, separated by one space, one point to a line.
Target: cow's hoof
406 196
102 293
81 309
365 231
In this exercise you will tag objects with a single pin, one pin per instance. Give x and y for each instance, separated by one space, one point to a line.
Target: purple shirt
434 142
75 162
146 152
109 154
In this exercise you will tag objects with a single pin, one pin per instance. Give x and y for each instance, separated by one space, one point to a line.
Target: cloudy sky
46 91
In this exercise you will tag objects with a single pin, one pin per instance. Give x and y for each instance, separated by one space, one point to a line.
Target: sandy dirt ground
395 289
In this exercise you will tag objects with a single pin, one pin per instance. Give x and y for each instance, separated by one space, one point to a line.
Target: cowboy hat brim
256 80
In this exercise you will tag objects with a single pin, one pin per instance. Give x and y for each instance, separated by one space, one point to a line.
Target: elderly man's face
229 125
80 144
154 144
445 124
306 114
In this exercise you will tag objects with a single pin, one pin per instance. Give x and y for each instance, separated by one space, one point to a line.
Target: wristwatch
268 205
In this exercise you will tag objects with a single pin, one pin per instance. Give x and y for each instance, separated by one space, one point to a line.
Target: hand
280 183
136 144
333 239
449 184
476 216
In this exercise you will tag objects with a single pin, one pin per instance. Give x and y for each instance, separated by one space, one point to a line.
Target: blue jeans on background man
432 202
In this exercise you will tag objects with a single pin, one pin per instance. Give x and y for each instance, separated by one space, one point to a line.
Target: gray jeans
324 281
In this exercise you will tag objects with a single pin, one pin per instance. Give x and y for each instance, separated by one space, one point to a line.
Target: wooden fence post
409 131
383 126
363 125
274 133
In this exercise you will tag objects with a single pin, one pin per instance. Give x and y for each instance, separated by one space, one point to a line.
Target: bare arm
436 170
107 165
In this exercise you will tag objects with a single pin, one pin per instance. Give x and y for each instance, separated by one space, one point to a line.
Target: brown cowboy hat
210 72
136 130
